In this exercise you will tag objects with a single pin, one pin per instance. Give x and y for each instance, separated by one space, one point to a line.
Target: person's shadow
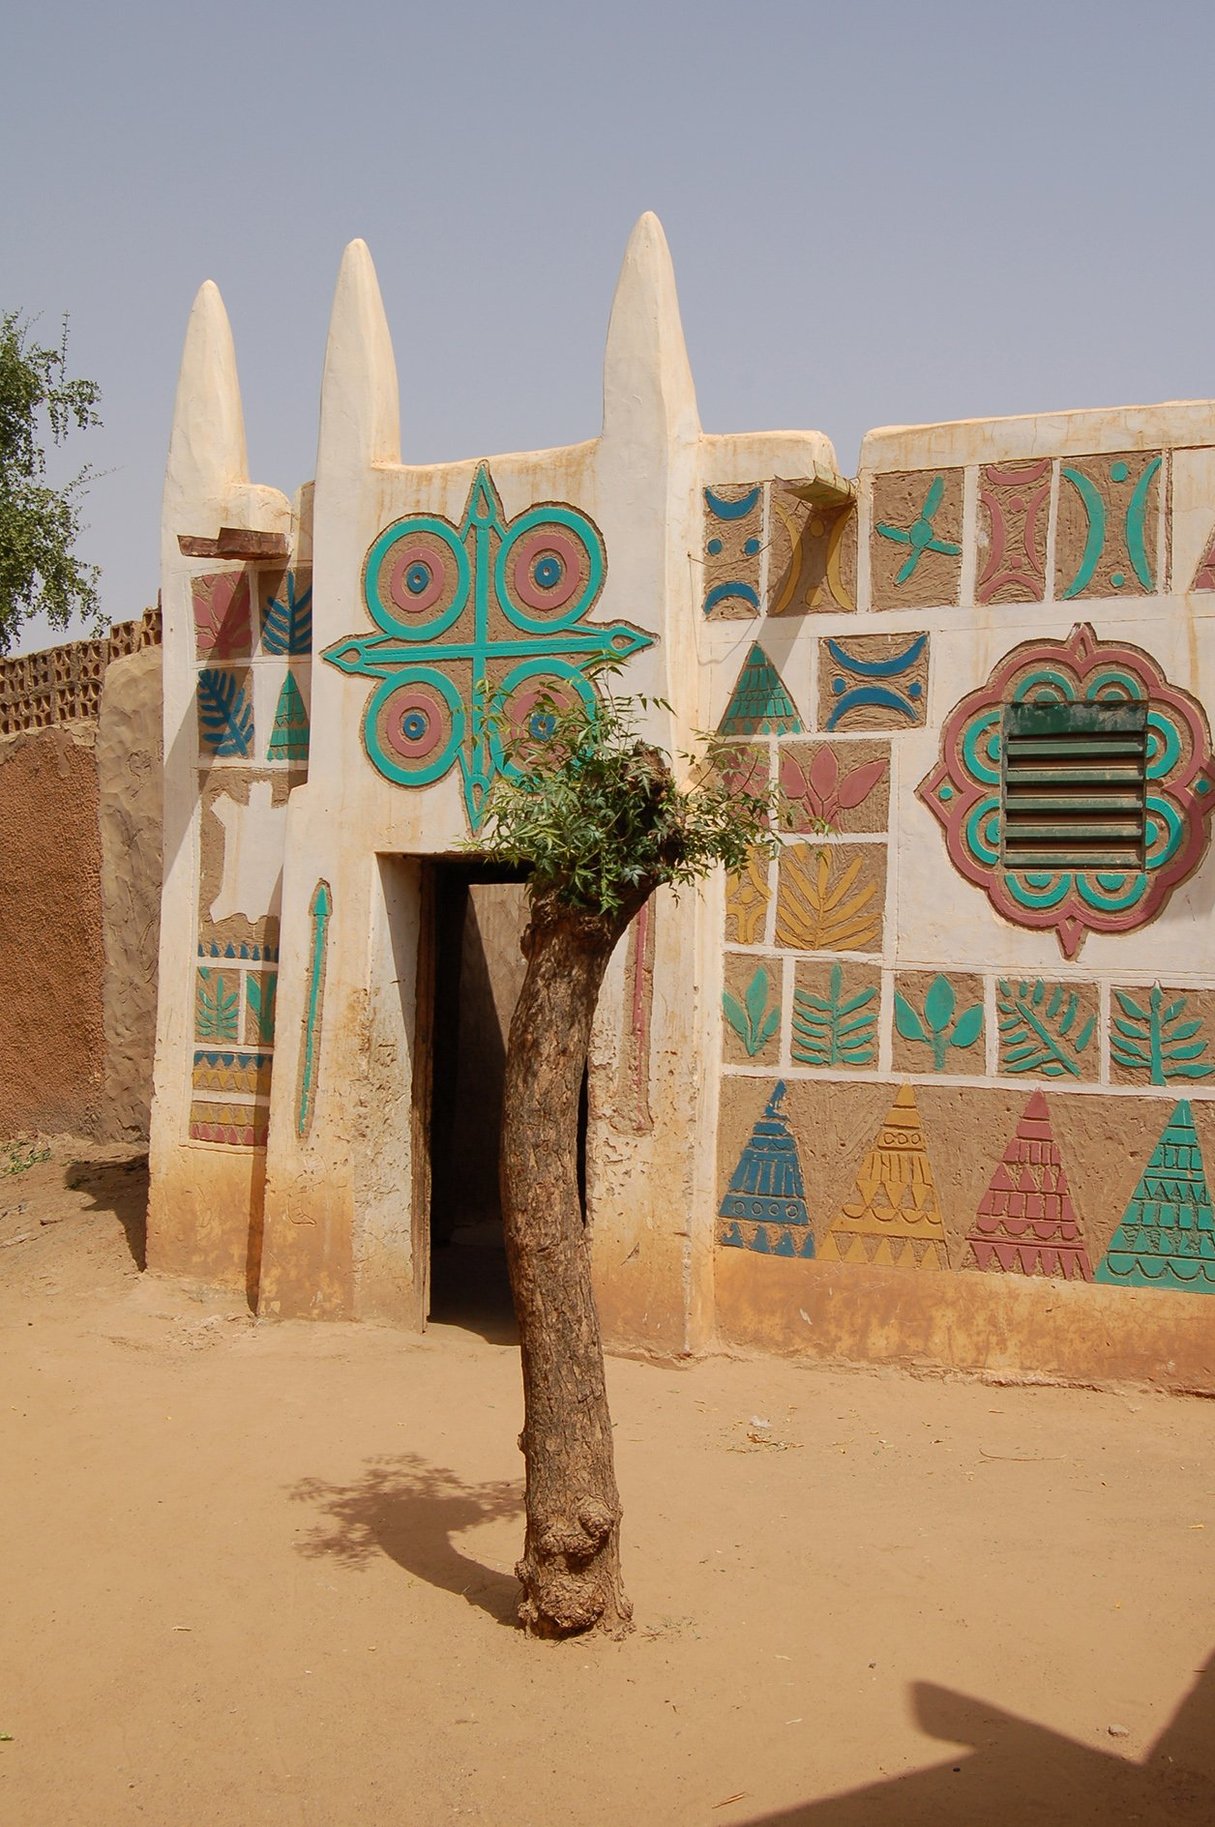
1015 1773
410 1510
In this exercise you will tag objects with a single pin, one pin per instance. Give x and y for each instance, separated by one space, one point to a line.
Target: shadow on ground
1010 1772
410 1510
120 1187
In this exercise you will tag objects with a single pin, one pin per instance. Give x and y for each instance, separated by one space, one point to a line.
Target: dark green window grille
1074 788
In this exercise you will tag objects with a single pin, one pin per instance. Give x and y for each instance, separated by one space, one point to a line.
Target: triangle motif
893 1201
759 704
289 736
1025 1223
1204 576
767 1187
1167 1235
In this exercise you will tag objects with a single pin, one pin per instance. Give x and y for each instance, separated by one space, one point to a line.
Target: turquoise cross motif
483 629
919 535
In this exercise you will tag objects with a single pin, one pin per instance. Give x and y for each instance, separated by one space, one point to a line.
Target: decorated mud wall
80 790
934 1080
968 1023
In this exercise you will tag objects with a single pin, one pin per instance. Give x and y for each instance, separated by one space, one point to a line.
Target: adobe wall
80 888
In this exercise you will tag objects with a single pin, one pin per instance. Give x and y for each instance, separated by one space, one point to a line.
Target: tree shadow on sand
1011 1772
411 1511
120 1187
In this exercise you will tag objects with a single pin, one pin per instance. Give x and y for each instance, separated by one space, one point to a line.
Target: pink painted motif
821 792
222 625
1015 499
1204 576
1026 1223
963 790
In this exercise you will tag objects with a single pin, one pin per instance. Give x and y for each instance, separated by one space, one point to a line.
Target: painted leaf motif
225 716
906 1020
858 785
262 995
1037 1032
216 1008
757 996
736 1015
939 1004
968 1027
816 914
835 1031
287 624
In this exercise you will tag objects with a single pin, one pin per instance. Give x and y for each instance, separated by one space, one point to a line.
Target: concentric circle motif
529 703
416 578
414 726
549 569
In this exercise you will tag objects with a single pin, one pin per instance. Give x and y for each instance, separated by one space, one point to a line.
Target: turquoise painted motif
320 912
289 736
1041 1033
835 1030
1167 1235
765 1207
751 1019
216 1005
482 626
1157 1038
1101 527
919 537
939 1026
261 995
759 704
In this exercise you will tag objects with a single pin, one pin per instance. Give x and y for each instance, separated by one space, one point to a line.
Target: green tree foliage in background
39 570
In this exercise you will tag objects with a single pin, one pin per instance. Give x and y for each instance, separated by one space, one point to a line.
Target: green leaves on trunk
1041 1032
1158 1041
751 1019
939 1026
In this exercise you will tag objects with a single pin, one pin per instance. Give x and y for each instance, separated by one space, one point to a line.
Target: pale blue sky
879 213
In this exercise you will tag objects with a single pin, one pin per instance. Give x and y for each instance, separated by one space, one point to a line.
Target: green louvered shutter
1074 787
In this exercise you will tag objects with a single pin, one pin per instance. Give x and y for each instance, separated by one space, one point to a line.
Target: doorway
470 972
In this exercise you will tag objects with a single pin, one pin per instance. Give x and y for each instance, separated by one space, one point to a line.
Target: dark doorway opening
475 920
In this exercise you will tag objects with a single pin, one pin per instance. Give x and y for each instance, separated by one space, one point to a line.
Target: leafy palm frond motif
225 715
1039 1032
261 994
939 1027
836 1030
1157 1040
751 1019
287 620
820 906
216 1007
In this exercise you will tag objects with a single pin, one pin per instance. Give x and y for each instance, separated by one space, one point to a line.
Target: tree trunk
570 1571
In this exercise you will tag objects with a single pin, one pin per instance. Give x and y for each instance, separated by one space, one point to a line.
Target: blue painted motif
424 576
871 694
731 510
765 1207
287 620
225 714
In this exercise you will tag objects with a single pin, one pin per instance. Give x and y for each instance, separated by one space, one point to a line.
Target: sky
879 213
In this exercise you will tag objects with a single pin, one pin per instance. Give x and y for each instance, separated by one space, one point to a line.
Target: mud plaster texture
52 1038
1114 479
945 1043
898 503
1014 511
130 796
237 929
811 554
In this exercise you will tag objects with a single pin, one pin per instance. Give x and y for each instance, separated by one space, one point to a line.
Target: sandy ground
261 1573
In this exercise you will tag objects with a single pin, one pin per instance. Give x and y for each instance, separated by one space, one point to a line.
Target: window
1074 786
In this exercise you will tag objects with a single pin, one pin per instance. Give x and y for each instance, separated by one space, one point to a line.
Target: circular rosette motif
416 578
964 790
527 706
550 568
414 725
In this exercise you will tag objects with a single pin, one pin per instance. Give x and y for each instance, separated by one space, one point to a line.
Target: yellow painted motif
747 897
893 1216
819 906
